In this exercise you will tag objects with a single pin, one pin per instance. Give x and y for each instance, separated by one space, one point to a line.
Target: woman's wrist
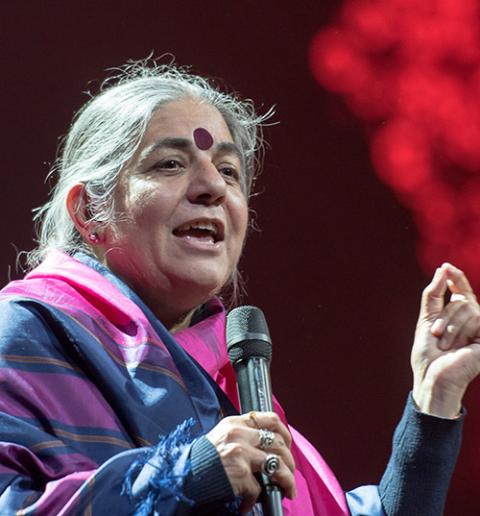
435 400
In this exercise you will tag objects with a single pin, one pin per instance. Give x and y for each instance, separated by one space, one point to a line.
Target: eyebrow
185 144
172 143
229 148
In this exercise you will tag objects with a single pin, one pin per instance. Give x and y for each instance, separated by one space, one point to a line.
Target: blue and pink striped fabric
89 378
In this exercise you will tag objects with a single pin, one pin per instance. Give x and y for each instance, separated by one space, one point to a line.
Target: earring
93 237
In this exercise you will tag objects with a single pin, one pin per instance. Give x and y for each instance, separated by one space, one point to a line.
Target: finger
443 323
253 437
283 477
453 318
457 281
252 491
239 440
278 447
433 296
438 327
458 297
284 453
270 421
266 439
470 332
236 459
463 331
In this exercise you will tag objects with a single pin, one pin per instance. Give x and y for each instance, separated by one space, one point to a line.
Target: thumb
433 297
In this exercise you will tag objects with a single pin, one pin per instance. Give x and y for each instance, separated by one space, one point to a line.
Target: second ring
267 438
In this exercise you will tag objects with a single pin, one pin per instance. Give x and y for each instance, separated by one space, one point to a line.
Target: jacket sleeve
416 480
424 454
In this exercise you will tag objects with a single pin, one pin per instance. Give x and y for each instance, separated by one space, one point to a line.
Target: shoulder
21 322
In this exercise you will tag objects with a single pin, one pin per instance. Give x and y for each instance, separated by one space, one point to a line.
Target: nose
207 185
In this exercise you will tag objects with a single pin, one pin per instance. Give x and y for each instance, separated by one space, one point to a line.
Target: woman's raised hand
243 444
446 352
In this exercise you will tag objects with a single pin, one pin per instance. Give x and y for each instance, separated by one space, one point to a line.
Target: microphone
250 351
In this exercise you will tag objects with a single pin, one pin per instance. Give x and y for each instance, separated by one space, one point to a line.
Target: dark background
333 265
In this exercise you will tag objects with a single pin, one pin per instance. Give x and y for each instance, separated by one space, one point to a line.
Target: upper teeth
206 226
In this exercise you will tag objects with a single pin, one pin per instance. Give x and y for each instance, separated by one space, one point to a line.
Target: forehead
180 119
188 123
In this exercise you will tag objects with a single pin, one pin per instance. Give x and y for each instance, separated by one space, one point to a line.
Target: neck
183 323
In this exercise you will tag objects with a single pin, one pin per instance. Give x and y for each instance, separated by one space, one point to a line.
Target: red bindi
203 139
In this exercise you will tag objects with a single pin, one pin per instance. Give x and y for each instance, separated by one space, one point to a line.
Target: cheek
143 204
137 197
134 210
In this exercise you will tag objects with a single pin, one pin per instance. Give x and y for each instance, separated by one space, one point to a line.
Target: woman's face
181 212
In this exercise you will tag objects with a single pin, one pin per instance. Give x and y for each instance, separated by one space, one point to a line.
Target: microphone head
248 335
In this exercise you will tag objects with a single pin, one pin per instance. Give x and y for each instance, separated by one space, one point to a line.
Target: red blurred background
370 179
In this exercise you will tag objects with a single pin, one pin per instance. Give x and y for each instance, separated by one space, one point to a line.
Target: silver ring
271 464
266 438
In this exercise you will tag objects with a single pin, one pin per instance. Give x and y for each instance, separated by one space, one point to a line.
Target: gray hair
108 129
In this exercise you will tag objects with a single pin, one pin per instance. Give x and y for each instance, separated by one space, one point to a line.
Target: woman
117 389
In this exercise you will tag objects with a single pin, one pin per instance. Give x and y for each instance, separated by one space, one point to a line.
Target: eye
230 172
170 164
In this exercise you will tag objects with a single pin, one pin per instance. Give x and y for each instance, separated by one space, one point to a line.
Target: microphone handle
255 393
254 389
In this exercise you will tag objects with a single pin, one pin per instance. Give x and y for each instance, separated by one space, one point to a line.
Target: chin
202 286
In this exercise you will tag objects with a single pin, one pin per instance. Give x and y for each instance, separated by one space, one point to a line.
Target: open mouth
202 229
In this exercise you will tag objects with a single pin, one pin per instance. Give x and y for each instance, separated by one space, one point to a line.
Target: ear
78 209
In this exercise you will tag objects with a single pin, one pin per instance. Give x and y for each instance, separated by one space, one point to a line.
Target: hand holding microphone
237 440
250 351
255 447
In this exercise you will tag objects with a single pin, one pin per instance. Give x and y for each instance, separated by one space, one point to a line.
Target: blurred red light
411 71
